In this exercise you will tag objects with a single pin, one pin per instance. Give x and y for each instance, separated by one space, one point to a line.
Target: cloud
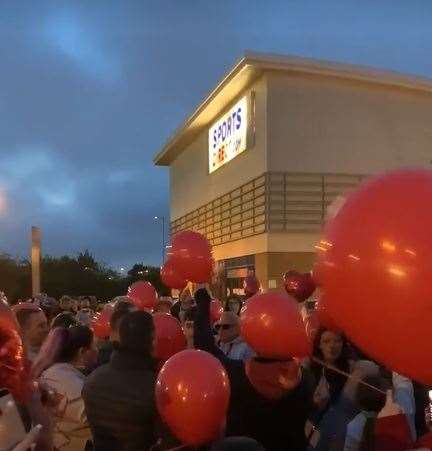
91 90
66 31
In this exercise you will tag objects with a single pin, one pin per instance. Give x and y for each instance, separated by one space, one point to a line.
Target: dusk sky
91 90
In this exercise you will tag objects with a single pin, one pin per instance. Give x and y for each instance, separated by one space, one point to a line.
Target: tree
79 276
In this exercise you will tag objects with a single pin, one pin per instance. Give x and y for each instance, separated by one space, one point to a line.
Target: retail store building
256 165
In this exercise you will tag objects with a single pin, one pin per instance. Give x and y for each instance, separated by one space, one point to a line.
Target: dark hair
61 345
190 314
136 333
121 309
65 319
335 380
77 337
23 315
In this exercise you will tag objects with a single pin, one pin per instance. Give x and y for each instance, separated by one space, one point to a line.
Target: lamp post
162 219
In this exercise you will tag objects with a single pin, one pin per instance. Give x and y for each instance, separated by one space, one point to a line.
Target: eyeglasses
223 326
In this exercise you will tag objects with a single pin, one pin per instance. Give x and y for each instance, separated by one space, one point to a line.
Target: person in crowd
331 348
329 433
162 307
60 364
119 397
74 305
235 305
66 304
360 433
270 399
229 339
188 327
34 327
122 307
85 313
180 307
64 319
85 303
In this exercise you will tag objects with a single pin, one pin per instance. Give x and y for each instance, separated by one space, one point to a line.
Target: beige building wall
191 185
322 124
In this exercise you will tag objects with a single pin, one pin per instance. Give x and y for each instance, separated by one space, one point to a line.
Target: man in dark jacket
121 309
270 400
119 397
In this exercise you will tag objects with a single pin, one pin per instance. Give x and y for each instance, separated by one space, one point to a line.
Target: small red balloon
191 256
216 310
169 335
143 295
193 384
101 322
170 276
272 325
374 265
299 286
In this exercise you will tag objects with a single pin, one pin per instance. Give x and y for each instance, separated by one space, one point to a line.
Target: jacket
120 404
237 349
278 424
71 427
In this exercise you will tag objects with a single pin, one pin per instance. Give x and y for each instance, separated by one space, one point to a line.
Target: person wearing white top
58 366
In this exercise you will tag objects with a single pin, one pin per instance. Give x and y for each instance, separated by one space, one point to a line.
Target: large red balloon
272 325
170 338
216 310
143 295
375 268
101 322
170 277
193 385
299 286
14 373
191 256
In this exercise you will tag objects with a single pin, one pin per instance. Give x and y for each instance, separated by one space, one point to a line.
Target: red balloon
170 277
272 325
143 295
193 384
170 338
101 322
299 286
216 310
191 256
14 373
374 265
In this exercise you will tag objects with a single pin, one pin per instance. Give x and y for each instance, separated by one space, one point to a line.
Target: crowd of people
98 393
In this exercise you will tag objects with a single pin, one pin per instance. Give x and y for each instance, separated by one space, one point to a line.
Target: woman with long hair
64 356
331 348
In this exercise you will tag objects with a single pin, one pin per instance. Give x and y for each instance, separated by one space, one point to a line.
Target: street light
162 218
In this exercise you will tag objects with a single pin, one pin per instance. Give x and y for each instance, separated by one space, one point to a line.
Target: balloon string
349 376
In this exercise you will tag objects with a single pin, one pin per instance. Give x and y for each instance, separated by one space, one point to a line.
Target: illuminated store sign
228 136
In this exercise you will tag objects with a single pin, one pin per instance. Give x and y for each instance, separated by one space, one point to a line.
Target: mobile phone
12 430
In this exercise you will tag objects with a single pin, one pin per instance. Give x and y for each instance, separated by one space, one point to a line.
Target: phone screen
12 429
